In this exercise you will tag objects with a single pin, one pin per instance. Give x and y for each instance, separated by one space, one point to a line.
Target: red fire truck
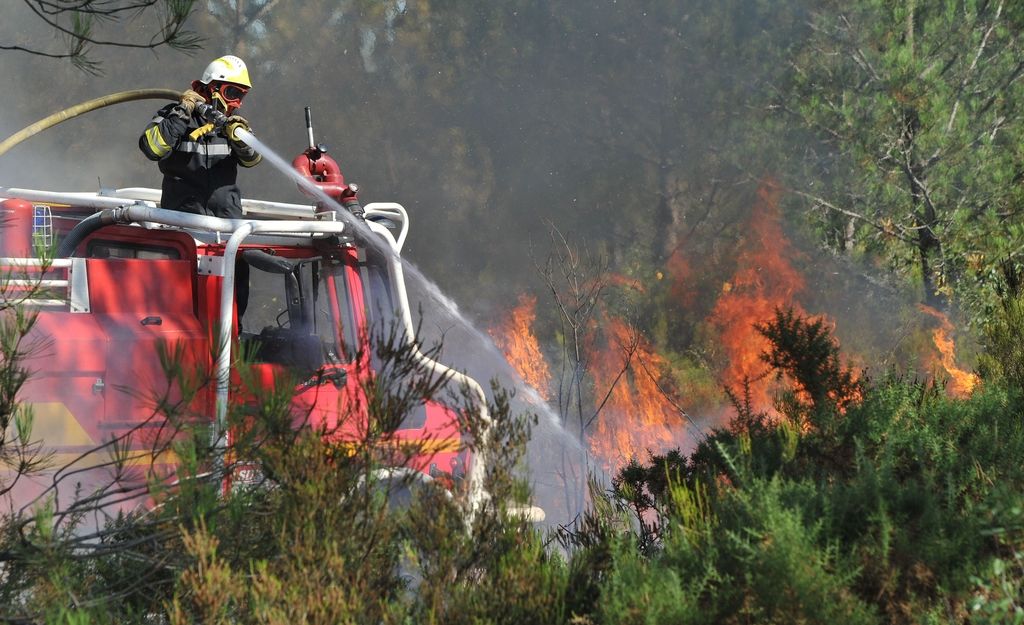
132 282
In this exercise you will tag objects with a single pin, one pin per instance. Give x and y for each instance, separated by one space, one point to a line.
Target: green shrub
1003 358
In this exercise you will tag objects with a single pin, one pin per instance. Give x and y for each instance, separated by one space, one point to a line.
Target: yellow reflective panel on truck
64 441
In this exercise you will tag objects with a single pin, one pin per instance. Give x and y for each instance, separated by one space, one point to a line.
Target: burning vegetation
515 338
636 406
961 382
635 414
764 281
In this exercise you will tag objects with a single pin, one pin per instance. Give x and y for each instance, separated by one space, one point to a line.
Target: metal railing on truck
33 282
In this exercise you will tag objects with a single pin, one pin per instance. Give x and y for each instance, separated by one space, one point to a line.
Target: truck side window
335 319
301 318
99 248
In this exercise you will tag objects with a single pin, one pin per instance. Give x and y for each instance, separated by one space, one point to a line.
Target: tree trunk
929 250
929 247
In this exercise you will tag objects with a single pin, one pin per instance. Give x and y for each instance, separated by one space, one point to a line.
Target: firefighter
200 159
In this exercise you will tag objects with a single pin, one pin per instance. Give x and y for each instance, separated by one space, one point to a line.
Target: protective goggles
232 94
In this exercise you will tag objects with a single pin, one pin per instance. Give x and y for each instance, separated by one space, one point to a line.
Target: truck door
142 299
299 323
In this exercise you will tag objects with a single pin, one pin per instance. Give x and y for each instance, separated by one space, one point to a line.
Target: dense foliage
903 506
915 107
895 505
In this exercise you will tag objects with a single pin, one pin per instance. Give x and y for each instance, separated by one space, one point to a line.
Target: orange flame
636 417
961 382
764 281
516 340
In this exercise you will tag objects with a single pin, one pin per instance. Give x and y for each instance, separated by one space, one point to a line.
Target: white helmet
227 69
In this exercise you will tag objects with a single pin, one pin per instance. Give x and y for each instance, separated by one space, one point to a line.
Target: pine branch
76 21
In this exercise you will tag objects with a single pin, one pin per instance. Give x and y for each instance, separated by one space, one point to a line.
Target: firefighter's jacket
200 165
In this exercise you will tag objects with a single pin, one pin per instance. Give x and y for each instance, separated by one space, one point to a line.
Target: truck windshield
382 311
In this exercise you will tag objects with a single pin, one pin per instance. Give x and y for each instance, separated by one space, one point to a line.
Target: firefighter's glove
189 99
233 124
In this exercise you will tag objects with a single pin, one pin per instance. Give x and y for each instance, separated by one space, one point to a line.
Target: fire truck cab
297 289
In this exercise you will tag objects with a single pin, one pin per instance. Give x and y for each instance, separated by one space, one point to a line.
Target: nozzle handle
211 114
309 129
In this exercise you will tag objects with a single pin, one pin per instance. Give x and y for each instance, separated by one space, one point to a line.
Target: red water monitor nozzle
316 166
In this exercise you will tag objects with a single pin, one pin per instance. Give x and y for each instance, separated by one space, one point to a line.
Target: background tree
916 109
